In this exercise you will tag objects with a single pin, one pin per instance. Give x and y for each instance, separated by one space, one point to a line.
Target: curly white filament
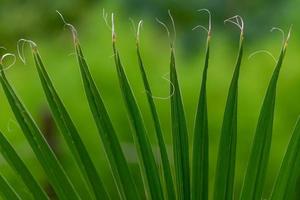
113 33
262 51
281 32
105 16
70 26
208 29
139 30
165 27
110 27
5 56
288 36
20 48
172 86
236 20
172 40
133 27
173 25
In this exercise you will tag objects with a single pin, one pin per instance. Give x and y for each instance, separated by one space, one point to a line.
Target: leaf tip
288 36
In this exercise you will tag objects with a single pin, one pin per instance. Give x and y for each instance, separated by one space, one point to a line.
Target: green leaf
289 173
180 135
260 153
146 157
199 186
69 131
56 175
119 166
225 170
159 134
18 165
7 191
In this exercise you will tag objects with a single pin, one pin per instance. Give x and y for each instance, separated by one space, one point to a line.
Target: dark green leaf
225 170
119 166
7 191
199 187
289 173
69 131
56 175
180 135
159 134
260 153
146 157
16 162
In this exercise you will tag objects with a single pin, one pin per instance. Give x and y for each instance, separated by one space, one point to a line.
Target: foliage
186 182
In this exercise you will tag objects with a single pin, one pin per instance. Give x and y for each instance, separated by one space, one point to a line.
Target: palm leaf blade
289 172
146 157
259 156
57 177
225 170
114 152
69 131
15 162
199 186
180 135
7 191
163 151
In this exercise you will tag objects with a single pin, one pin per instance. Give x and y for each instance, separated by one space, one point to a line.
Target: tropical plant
189 180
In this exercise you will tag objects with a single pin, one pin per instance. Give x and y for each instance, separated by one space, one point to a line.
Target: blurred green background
37 20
